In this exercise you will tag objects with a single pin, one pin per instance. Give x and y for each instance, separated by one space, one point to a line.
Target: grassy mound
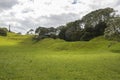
22 58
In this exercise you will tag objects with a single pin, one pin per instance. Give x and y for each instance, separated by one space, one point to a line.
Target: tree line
102 22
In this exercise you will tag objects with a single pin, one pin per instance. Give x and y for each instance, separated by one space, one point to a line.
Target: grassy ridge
21 58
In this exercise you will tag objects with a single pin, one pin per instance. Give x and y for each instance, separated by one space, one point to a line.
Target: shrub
3 32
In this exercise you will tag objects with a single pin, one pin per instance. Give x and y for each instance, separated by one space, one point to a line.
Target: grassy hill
22 58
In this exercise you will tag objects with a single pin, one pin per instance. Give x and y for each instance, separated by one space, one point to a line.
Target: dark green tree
61 35
112 32
46 33
72 31
99 29
97 16
3 32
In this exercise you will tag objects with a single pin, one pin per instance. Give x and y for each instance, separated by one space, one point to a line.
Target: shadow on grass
29 40
115 51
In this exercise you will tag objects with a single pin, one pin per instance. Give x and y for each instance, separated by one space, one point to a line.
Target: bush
3 32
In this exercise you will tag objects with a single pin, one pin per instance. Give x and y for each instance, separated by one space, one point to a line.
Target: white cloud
26 14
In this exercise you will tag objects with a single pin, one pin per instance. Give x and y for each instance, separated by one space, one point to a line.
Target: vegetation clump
3 32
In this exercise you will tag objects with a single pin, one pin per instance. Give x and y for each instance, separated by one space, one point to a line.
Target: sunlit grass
23 59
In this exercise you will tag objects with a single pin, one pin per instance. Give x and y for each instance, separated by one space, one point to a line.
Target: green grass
21 58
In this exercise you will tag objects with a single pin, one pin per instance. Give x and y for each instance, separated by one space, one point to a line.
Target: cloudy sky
23 15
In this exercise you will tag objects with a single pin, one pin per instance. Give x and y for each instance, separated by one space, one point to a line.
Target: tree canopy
96 23
95 17
3 31
113 31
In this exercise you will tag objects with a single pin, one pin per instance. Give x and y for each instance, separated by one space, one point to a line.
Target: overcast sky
23 15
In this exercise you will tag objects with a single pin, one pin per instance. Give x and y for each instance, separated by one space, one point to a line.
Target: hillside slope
22 58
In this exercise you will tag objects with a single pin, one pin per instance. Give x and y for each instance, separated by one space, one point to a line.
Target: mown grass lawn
23 59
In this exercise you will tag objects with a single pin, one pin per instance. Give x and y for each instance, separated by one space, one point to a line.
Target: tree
99 29
112 32
5 29
87 34
30 31
46 32
62 32
95 17
41 30
95 23
3 32
71 32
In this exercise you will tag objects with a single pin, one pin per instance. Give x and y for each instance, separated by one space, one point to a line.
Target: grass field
21 58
